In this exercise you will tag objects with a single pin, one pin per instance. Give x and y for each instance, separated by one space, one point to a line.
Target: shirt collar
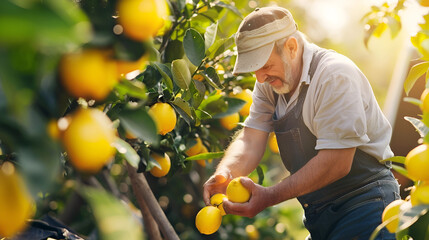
307 56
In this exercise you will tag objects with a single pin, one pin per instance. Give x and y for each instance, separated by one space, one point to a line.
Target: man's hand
259 200
217 183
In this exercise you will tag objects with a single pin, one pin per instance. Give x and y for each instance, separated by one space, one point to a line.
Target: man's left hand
259 200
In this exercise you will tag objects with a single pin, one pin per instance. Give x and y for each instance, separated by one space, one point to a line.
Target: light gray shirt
340 108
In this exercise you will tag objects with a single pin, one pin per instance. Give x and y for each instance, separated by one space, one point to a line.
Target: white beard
286 82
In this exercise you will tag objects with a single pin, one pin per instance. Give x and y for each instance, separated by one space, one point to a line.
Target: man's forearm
244 153
323 169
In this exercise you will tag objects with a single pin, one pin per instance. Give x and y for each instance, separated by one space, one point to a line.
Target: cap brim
252 60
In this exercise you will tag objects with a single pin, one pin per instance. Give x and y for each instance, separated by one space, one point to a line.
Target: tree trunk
147 200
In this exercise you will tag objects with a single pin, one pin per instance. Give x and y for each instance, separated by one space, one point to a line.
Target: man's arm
326 167
241 158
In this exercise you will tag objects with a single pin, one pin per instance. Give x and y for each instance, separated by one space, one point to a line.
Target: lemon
217 201
164 116
124 67
16 204
420 195
272 143
142 19
88 140
164 162
196 148
52 129
392 210
252 232
417 163
245 95
236 192
231 121
208 220
88 74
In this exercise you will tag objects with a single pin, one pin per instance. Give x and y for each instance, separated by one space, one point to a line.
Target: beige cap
257 34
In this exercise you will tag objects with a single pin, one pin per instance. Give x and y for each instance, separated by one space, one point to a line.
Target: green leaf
184 109
413 101
165 73
212 78
48 24
415 72
174 50
410 215
194 46
127 152
210 36
229 7
418 125
400 170
114 220
397 159
139 123
234 105
420 229
204 156
132 88
214 104
260 175
201 114
220 46
198 90
181 74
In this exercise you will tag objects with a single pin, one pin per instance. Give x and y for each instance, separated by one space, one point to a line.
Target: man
330 131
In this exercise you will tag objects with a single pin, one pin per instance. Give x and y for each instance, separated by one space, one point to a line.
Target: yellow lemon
208 220
231 121
245 95
164 116
420 195
424 3
142 19
53 130
195 149
236 192
164 162
217 201
88 140
16 204
125 67
272 143
88 74
417 163
392 210
252 232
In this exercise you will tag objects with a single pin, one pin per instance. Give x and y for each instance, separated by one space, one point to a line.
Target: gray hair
300 37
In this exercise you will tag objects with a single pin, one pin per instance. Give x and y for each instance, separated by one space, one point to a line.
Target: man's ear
291 47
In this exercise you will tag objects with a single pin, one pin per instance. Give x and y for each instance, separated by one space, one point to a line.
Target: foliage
198 39
413 217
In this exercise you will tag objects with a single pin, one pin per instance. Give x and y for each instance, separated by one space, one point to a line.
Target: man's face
277 72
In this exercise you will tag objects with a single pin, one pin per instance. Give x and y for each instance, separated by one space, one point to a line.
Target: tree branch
145 196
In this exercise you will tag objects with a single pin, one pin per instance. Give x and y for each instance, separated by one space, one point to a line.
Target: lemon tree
408 218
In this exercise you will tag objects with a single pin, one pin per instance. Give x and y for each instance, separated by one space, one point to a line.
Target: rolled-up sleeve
261 110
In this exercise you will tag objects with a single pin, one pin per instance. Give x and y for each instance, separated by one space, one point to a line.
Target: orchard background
80 138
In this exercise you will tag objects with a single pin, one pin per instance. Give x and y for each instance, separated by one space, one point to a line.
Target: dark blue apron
297 146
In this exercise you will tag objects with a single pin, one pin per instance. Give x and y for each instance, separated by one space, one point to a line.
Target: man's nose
260 76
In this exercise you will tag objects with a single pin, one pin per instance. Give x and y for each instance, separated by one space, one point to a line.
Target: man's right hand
217 183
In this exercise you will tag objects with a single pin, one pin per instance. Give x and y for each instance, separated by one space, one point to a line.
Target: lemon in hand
208 220
217 201
236 192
